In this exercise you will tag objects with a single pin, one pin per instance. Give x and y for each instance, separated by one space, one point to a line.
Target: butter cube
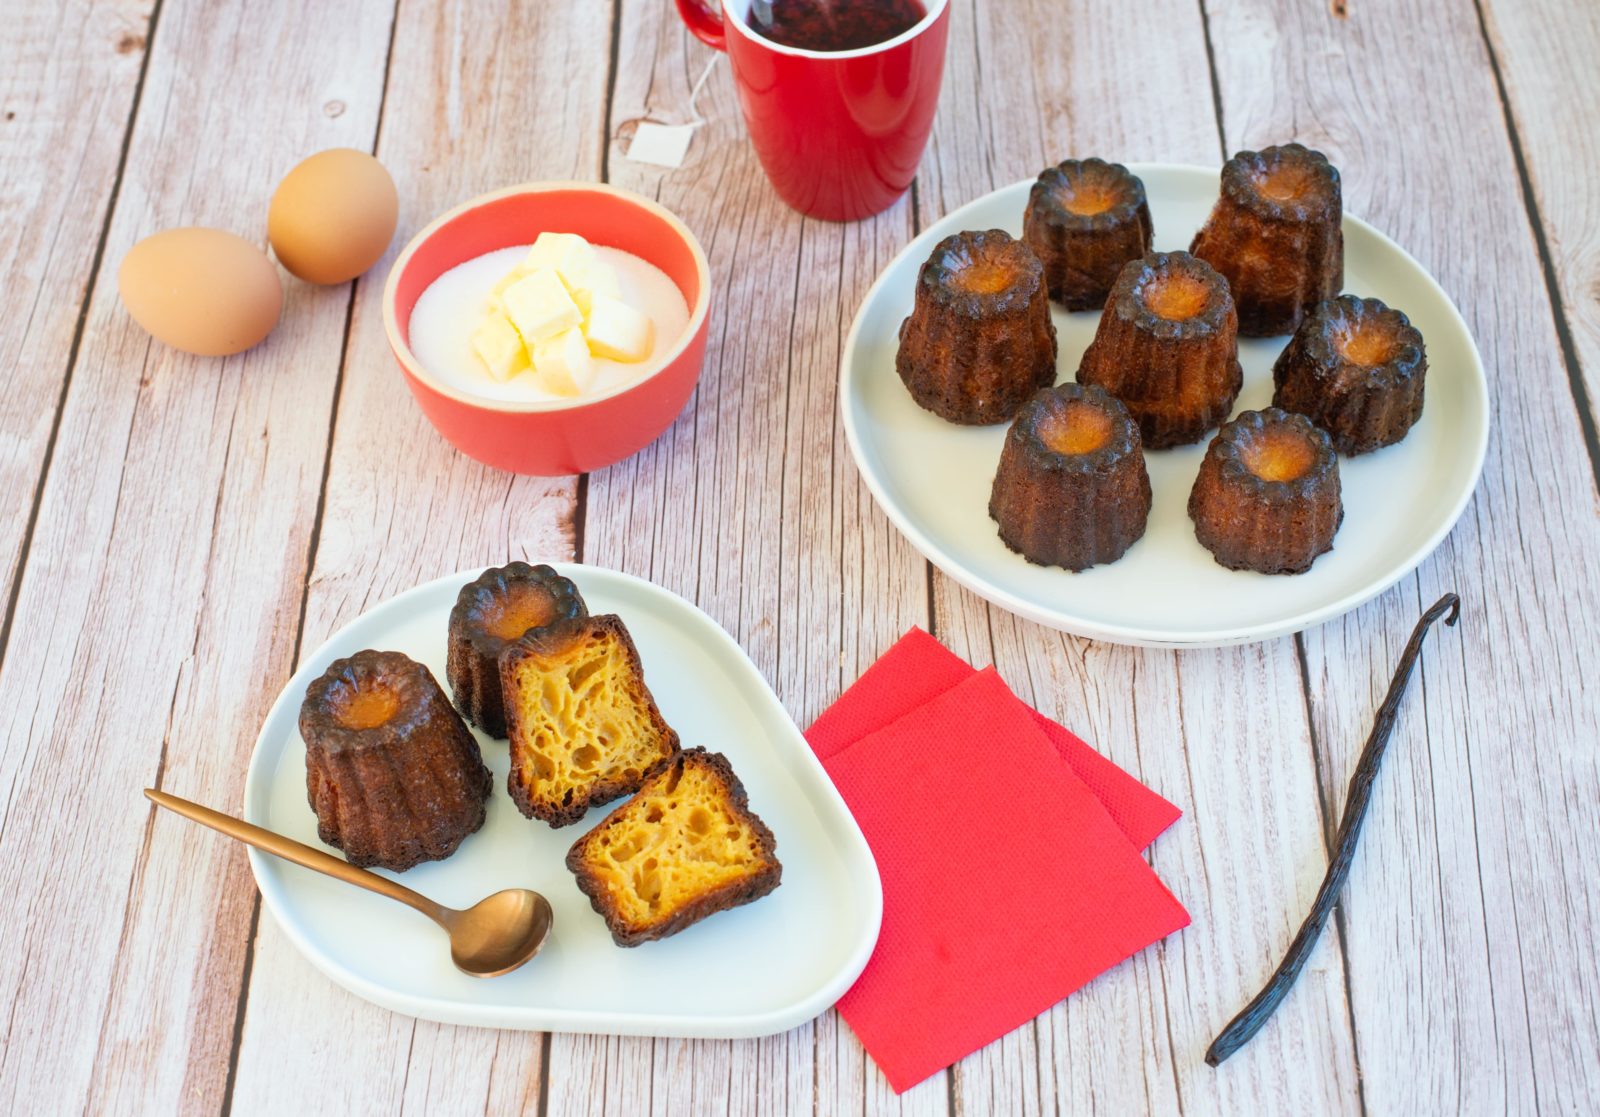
600 278
567 253
497 292
499 346
539 306
618 331
561 363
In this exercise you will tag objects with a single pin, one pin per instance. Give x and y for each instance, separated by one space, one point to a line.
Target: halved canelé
1167 347
979 340
394 776
1277 236
1072 489
1267 494
492 612
1355 368
584 728
1085 219
687 846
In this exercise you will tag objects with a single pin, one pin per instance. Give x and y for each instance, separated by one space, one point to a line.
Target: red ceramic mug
840 133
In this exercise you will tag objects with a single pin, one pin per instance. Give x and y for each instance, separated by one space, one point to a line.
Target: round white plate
932 478
754 970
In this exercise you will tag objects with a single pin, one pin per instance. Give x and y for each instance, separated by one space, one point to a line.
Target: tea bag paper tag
665 145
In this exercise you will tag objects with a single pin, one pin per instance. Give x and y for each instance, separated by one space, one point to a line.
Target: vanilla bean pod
1255 1014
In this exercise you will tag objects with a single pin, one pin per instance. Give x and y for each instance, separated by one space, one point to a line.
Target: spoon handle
299 853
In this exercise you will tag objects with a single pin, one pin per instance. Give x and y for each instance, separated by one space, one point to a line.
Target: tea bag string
695 117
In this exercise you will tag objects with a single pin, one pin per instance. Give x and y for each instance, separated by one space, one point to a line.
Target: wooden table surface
176 533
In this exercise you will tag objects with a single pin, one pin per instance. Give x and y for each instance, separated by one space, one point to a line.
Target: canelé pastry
584 728
1267 495
1276 234
493 611
1355 368
979 340
686 846
1167 347
1085 219
393 774
1071 489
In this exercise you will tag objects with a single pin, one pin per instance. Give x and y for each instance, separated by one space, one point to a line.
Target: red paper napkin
919 668
1007 884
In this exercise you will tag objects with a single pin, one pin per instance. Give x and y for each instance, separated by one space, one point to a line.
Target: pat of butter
498 291
618 331
567 253
562 364
539 306
598 279
499 346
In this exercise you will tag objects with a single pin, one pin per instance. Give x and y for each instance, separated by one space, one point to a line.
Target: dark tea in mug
832 25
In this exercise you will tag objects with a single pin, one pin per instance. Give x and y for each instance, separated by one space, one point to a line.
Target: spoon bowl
500 932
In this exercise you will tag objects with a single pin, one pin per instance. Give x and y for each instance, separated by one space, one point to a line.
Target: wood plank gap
1329 829
605 136
544 1041
580 516
1216 83
239 1010
1569 349
15 592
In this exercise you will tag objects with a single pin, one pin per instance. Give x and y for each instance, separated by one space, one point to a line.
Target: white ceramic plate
932 478
754 970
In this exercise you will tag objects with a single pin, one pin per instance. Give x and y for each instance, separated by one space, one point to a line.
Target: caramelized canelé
1167 347
686 846
1355 368
492 612
584 728
392 773
1267 494
1072 489
979 340
1276 234
1086 219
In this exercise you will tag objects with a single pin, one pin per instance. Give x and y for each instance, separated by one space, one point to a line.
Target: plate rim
530 1018
1141 635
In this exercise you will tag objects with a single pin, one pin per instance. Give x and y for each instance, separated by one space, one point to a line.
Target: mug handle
705 22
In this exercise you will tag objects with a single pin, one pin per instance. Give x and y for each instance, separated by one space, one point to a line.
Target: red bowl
557 437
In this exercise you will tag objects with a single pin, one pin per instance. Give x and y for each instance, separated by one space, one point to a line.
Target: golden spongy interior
679 839
584 718
1077 428
1278 455
523 607
1176 296
364 707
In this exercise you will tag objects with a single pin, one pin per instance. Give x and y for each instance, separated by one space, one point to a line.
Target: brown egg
333 216
201 290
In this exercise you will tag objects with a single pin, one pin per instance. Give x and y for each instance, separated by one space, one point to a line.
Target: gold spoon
492 937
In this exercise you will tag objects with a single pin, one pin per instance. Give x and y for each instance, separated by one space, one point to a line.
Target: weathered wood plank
1470 910
162 585
1546 64
1087 79
402 507
749 506
67 92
